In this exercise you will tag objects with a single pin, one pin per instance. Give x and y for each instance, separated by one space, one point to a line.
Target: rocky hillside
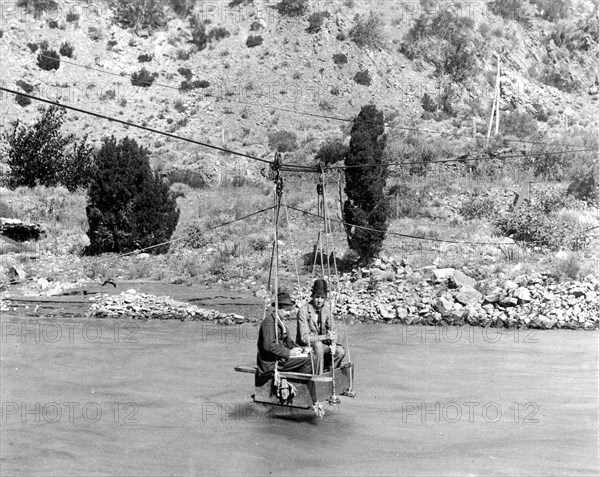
238 93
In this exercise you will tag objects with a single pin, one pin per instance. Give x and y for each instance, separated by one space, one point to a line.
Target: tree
129 206
40 155
366 205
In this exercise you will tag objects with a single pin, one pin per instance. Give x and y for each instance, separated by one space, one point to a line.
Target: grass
242 249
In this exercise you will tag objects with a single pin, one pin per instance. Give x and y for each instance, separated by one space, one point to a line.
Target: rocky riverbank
390 292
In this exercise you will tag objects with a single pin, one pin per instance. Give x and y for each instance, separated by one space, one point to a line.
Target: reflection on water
161 398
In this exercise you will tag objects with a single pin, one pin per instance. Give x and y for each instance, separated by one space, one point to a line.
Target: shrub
363 77
182 7
368 31
447 41
332 151
139 14
366 205
478 208
586 188
255 26
52 24
340 59
33 46
529 224
129 206
254 40
292 8
179 106
283 141
183 54
186 73
66 49
315 21
145 58
194 235
326 106
41 155
72 17
22 101
143 78
38 7
218 34
520 11
518 124
553 10
28 88
48 60
199 36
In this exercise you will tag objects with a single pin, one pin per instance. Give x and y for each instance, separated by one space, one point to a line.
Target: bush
478 208
145 58
368 31
199 36
38 7
538 222
255 26
366 205
218 34
283 141
520 11
292 8
363 77
518 124
22 101
530 224
315 21
41 155
48 60
129 206
28 88
186 73
586 188
143 78
66 49
447 41
72 17
332 151
182 7
194 235
254 40
553 10
139 14
340 59
33 46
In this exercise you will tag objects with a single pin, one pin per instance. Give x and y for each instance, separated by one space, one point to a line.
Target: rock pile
141 306
20 231
392 293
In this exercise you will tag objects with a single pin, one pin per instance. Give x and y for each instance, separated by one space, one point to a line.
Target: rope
287 218
139 126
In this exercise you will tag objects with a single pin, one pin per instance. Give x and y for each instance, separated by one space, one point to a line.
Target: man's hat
319 288
284 300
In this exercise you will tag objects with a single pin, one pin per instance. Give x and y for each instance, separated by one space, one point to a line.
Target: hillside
254 91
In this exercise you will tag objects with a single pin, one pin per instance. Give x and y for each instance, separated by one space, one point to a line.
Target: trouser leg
318 355
340 352
296 365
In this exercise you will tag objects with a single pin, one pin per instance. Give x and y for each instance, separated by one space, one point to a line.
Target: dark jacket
271 348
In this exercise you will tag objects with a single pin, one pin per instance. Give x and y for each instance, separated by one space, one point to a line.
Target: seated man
315 328
276 346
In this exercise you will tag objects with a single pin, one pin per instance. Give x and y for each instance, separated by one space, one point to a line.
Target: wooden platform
311 388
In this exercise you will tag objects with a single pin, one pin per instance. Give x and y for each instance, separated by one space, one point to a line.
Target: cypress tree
129 206
366 205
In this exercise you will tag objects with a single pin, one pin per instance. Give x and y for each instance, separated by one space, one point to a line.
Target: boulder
468 296
459 279
522 294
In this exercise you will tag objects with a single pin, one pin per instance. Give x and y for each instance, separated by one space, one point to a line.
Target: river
107 397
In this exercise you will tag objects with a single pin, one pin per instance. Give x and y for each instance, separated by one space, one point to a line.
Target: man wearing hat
275 344
316 328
